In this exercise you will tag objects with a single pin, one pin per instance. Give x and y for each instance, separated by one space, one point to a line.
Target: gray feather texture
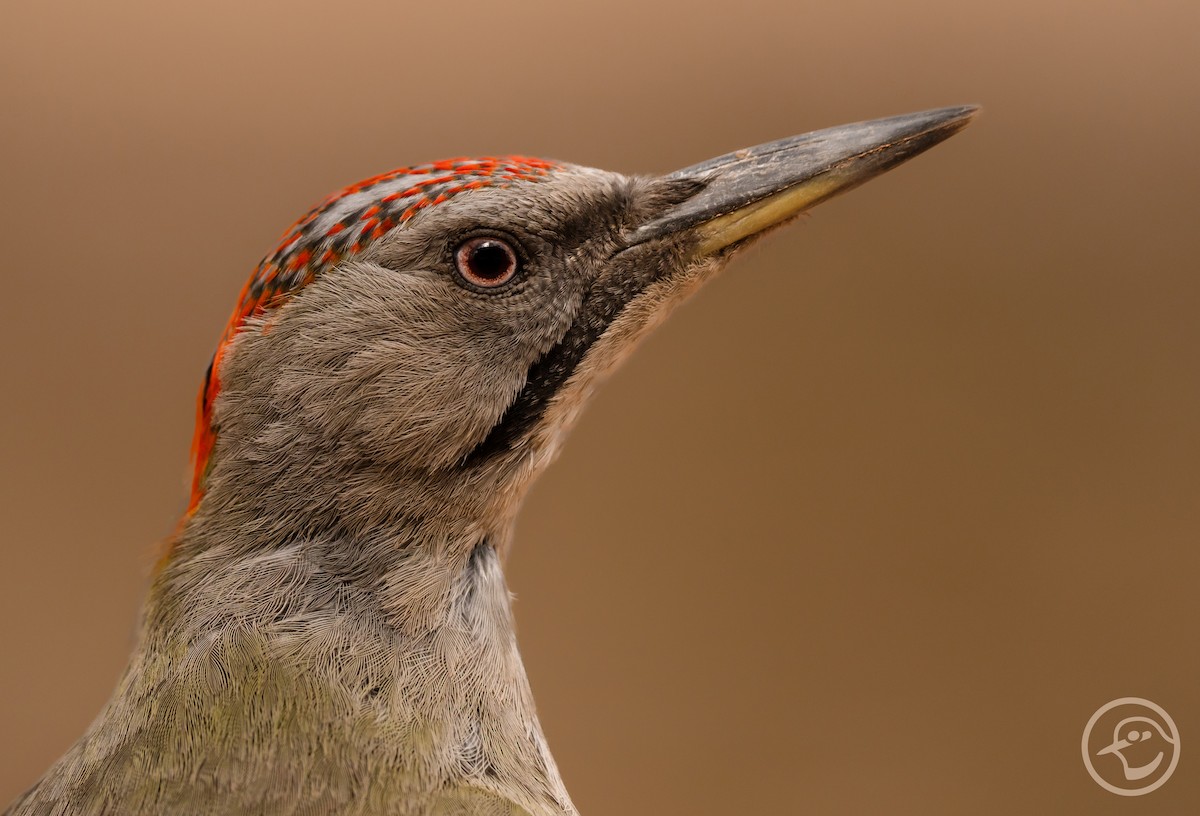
332 632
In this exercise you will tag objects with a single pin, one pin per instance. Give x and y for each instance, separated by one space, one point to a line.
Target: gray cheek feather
369 372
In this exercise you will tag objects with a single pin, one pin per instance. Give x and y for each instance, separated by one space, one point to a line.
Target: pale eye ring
486 262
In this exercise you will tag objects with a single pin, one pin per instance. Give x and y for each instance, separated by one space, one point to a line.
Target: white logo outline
1135 773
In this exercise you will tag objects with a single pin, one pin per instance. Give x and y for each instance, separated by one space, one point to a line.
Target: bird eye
486 262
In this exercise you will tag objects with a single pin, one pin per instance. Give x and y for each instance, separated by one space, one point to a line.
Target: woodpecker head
419 343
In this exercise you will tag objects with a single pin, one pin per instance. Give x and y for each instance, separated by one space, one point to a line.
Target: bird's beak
754 189
1114 748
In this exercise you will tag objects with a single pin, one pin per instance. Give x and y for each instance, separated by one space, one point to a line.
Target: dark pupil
490 260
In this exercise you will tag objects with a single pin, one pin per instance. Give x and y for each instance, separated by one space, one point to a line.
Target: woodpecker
329 631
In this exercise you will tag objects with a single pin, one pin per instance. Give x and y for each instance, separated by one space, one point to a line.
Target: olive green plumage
331 631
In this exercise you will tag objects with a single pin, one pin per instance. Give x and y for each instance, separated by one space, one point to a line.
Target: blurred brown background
873 525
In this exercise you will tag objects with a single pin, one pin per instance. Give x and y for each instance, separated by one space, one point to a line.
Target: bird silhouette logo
1130 746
